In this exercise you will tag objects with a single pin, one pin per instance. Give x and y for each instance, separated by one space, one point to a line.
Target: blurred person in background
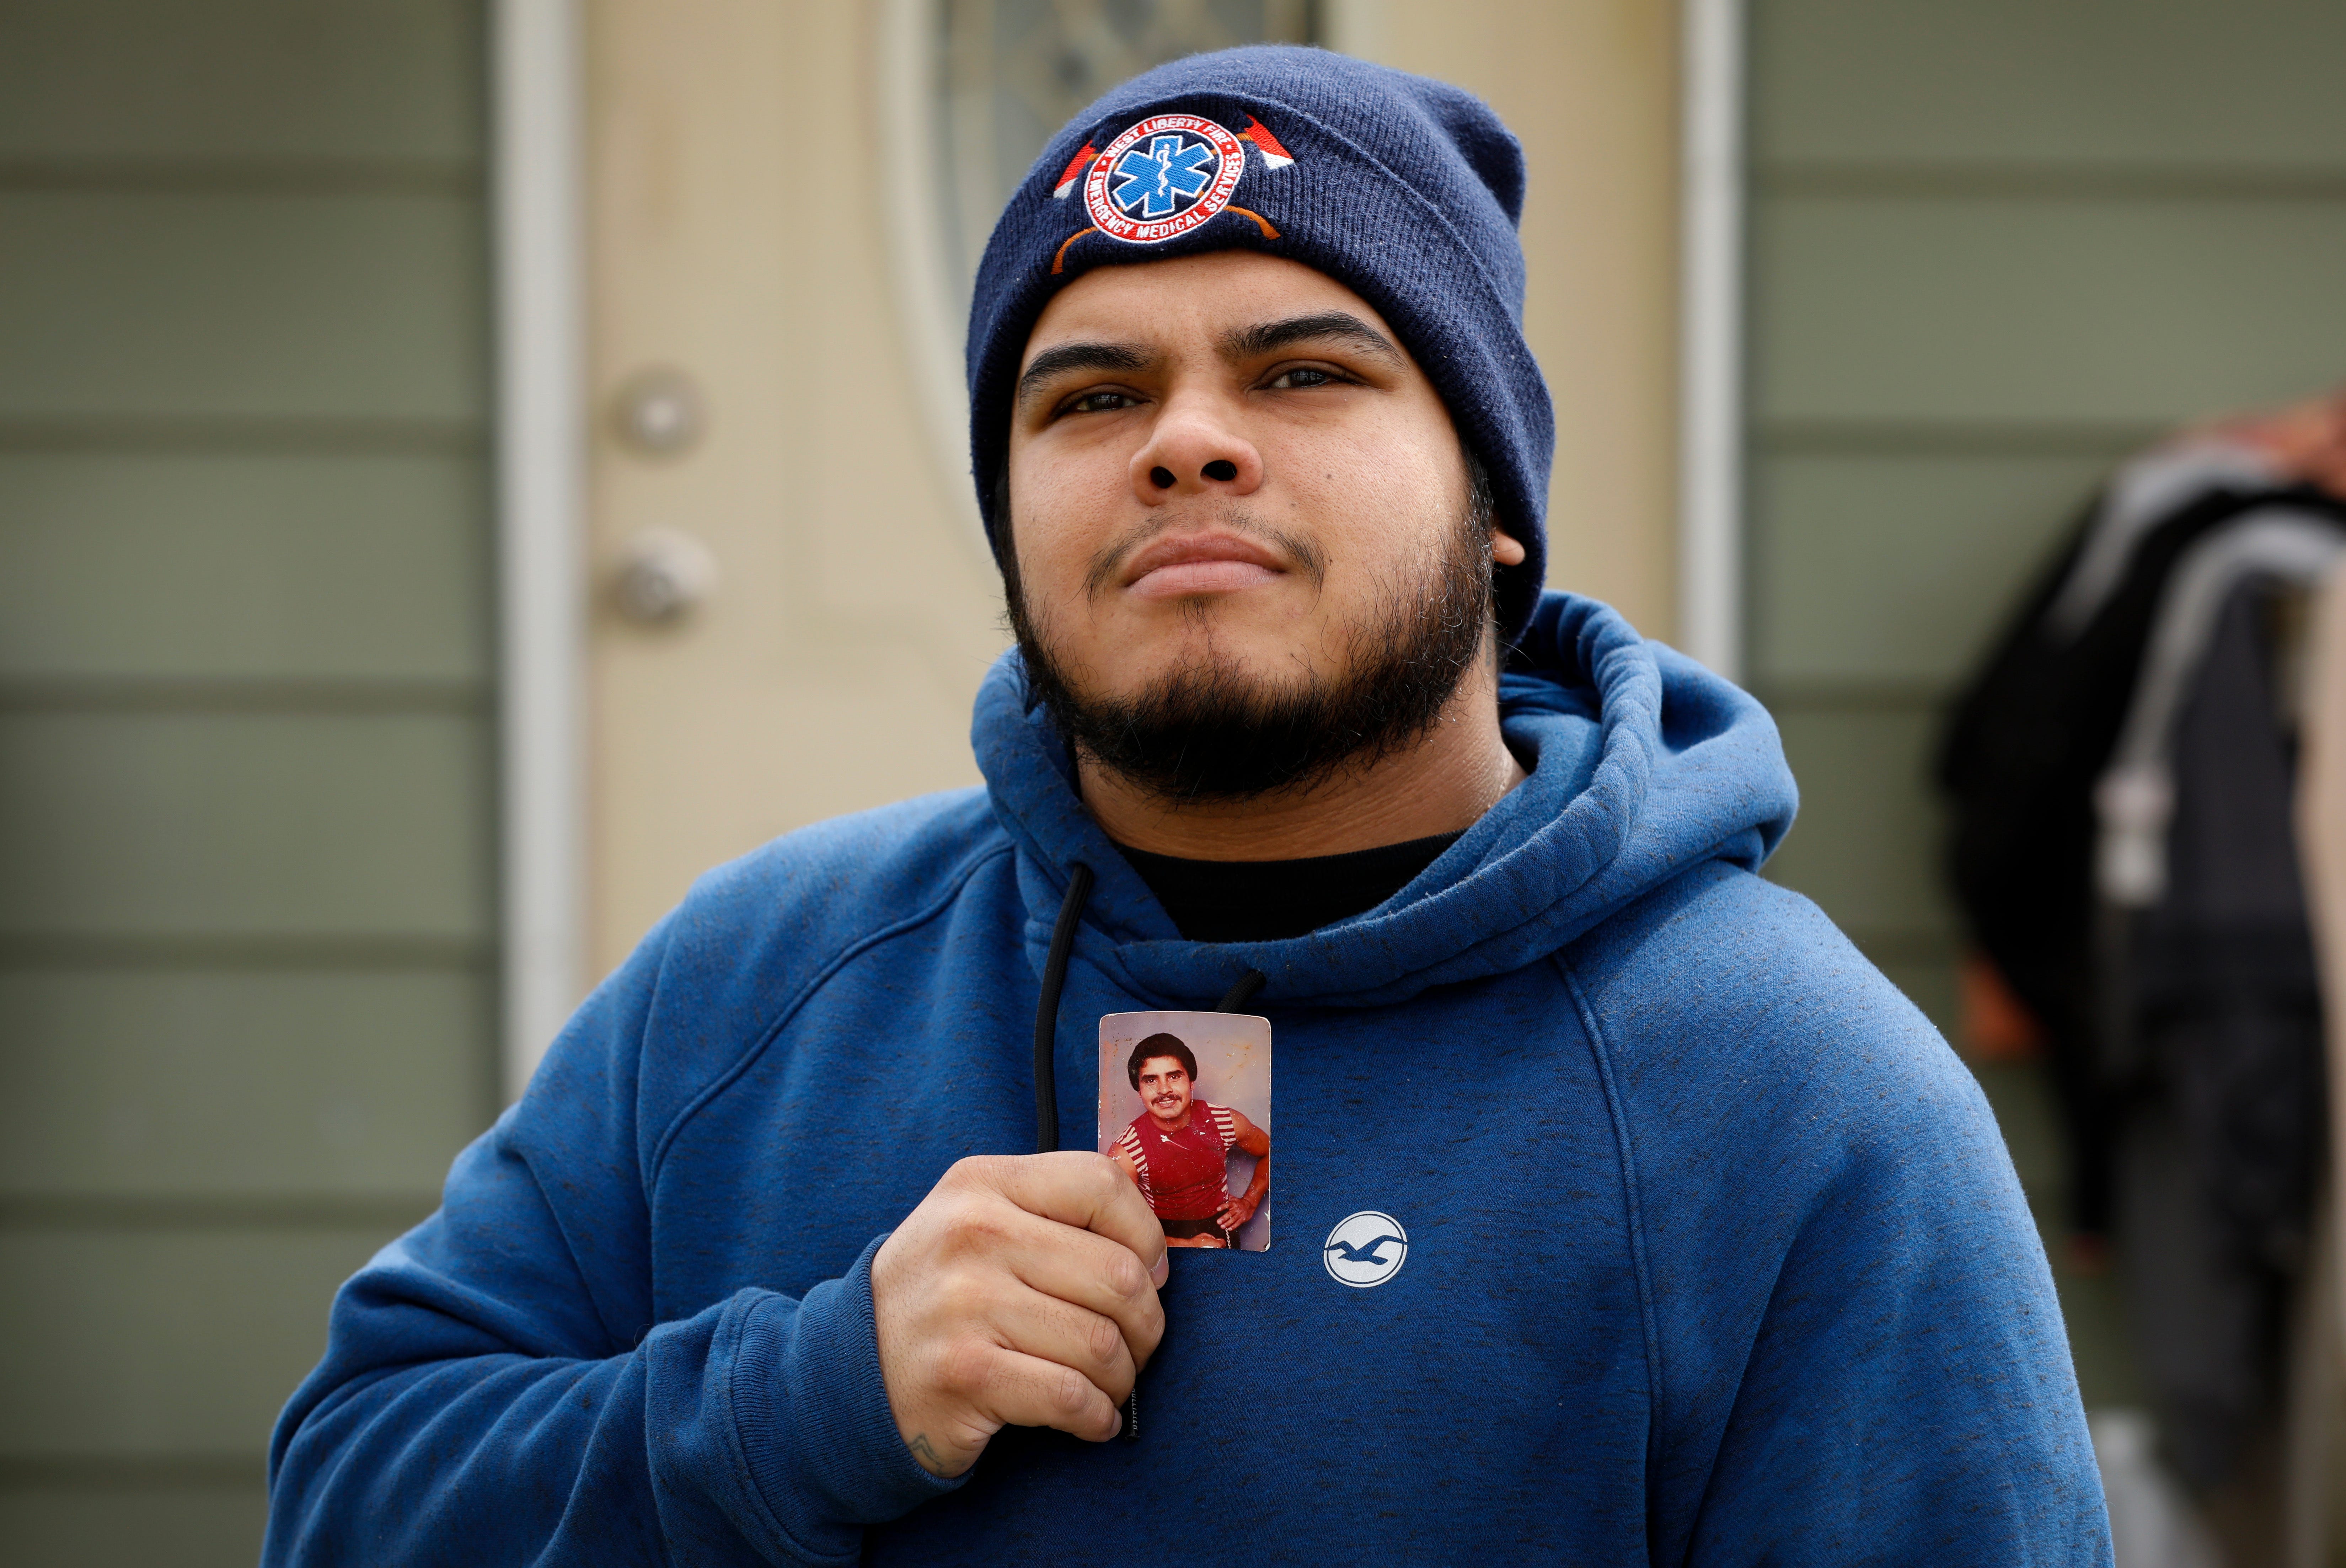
2124 773
1713 1252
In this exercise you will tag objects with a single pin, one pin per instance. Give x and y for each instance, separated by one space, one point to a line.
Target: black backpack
2023 746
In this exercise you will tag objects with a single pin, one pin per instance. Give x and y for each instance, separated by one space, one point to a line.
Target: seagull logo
1367 1254
1365 1249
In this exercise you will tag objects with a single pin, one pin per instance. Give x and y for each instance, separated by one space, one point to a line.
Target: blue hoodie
1715 1255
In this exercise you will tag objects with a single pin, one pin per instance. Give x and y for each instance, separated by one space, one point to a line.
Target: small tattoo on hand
923 1451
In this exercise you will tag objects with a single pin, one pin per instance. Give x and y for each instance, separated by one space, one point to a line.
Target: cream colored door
738 237
761 196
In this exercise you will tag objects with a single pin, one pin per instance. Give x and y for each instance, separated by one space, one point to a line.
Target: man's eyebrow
1059 362
1269 337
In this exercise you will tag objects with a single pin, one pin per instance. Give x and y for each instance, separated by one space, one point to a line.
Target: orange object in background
2307 440
1996 1025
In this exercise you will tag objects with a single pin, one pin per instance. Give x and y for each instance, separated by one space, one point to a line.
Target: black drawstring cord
1238 995
1046 1044
1046 1011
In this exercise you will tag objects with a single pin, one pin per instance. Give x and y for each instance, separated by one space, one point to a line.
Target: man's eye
1302 376
1100 403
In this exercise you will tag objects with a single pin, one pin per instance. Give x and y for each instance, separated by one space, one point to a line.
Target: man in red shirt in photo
1177 1151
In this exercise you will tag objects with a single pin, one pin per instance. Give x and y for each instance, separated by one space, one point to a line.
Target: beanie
1404 190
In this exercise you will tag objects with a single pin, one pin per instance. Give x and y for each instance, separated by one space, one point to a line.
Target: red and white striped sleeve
1127 1143
1226 1125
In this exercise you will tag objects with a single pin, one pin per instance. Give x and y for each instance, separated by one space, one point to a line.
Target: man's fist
1021 1292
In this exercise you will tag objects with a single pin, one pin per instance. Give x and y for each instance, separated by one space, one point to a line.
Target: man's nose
1194 450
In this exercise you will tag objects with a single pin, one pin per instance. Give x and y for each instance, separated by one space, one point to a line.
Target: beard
1214 730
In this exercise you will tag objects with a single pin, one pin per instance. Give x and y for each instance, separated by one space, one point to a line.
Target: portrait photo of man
1177 1151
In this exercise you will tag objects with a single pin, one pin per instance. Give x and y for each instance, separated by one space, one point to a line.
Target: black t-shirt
1268 900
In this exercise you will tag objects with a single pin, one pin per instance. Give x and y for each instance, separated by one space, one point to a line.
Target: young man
1177 1150
1714 1254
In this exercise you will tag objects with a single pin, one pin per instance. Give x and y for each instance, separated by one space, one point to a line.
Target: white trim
930 298
541 464
1710 366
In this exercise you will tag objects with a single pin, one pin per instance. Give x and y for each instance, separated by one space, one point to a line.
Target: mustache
1107 563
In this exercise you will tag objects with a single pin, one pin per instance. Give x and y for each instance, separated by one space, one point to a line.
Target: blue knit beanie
1406 191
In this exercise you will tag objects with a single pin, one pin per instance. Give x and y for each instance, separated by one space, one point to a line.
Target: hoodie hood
1641 764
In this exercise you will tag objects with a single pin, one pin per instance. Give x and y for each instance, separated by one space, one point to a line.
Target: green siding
1866 844
2100 84
219 566
123 1085
212 81
175 307
2061 310
1893 572
285 826
151 1342
247 911
91 1523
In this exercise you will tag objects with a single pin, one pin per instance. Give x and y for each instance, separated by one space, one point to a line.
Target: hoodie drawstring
1238 995
1047 1041
1046 1010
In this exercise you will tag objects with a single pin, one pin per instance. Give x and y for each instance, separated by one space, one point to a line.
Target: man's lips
1186 564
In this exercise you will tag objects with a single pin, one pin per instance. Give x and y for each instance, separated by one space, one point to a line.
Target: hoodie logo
1365 1249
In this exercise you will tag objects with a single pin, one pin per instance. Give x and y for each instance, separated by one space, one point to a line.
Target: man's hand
1238 1211
1021 1292
1254 1141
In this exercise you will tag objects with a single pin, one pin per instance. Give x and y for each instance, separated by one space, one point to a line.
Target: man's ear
1507 550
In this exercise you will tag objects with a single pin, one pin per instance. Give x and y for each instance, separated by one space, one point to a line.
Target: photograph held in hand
1179 1146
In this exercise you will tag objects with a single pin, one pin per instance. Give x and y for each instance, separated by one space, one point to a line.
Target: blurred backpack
2031 735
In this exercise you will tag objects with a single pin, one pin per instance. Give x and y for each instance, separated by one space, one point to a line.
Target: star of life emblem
1163 178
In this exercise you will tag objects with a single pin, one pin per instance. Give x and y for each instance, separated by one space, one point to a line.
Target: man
1177 1151
1713 1252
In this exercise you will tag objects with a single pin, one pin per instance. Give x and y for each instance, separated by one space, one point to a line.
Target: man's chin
1218 706
1237 693
1129 664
